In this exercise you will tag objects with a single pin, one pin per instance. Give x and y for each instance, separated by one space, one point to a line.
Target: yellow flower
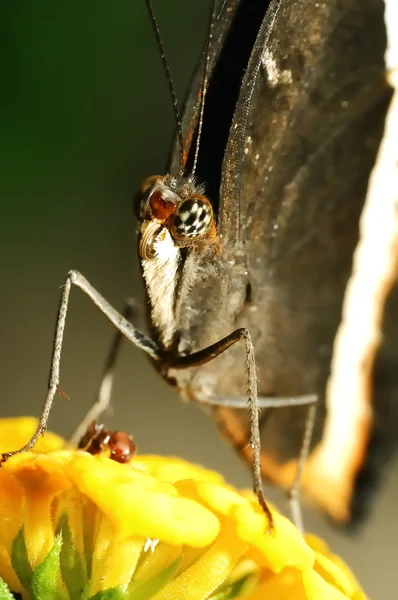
74 525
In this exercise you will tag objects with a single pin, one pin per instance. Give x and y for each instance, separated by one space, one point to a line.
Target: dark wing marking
190 113
230 190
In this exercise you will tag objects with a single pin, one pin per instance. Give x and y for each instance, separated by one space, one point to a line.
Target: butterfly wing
303 141
191 110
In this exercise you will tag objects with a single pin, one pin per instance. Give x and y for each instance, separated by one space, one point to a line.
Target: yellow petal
141 505
292 584
281 548
114 559
155 562
287 585
41 479
209 571
16 432
174 469
12 503
73 505
220 497
12 512
7 572
316 587
316 543
333 569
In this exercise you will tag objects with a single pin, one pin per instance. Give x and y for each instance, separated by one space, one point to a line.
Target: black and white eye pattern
192 219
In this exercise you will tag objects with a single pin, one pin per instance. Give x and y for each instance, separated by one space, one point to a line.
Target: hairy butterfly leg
119 321
241 403
102 398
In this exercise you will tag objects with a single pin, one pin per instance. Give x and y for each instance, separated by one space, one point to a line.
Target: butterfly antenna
170 82
205 83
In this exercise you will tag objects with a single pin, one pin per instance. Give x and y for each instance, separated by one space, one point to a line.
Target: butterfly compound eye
192 219
141 201
161 208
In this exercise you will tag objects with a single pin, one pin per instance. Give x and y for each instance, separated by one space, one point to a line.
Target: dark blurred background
85 114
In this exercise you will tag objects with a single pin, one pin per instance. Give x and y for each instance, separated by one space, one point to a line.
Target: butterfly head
177 239
174 213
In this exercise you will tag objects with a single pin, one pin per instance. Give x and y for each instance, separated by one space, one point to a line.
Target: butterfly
260 240
291 131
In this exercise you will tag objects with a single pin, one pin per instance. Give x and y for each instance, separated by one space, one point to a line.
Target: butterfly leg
206 355
240 402
102 398
263 402
121 323
294 491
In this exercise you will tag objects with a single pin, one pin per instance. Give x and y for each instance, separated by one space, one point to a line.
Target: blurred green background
85 114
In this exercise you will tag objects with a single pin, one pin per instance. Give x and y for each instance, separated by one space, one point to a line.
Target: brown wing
303 141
